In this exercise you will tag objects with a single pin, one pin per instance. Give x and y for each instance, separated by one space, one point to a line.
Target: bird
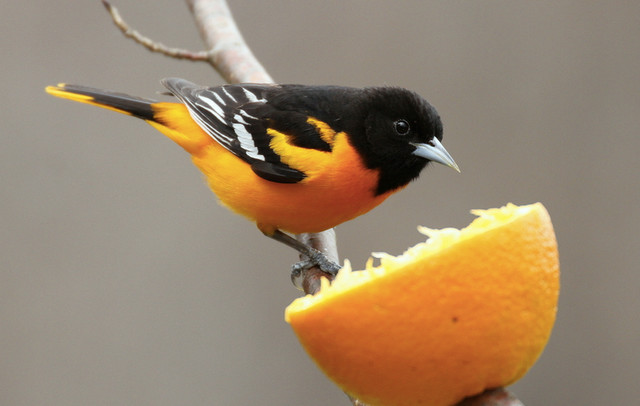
292 158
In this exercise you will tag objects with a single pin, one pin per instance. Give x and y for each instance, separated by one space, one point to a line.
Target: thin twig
151 45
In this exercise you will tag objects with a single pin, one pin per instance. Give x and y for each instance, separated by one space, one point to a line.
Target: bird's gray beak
434 151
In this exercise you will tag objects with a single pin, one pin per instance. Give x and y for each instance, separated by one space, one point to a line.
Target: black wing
237 117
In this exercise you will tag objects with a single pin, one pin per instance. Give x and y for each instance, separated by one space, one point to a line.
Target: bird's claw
317 259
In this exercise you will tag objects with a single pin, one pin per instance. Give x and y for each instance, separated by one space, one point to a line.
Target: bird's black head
401 135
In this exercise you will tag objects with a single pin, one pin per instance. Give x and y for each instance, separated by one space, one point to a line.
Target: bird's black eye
402 127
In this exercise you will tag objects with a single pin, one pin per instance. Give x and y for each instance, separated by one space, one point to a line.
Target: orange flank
465 311
338 198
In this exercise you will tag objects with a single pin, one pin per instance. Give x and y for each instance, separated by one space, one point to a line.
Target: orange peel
463 312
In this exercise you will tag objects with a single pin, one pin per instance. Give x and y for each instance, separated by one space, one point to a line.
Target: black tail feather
135 106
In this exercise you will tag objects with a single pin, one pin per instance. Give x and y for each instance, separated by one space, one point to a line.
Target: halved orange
465 311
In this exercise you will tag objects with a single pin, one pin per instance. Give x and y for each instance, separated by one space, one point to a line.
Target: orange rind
463 312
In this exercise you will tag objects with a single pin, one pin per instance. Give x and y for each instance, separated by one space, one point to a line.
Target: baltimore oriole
292 158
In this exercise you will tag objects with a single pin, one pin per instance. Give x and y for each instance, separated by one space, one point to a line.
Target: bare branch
492 397
201 56
229 54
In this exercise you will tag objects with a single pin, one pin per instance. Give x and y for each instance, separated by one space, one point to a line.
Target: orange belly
338 191
337 188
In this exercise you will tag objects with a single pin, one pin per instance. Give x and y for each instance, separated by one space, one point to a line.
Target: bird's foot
316 259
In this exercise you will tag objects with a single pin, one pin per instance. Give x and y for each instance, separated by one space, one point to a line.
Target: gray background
123 282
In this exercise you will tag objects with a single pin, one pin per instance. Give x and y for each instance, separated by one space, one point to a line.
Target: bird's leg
314 257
